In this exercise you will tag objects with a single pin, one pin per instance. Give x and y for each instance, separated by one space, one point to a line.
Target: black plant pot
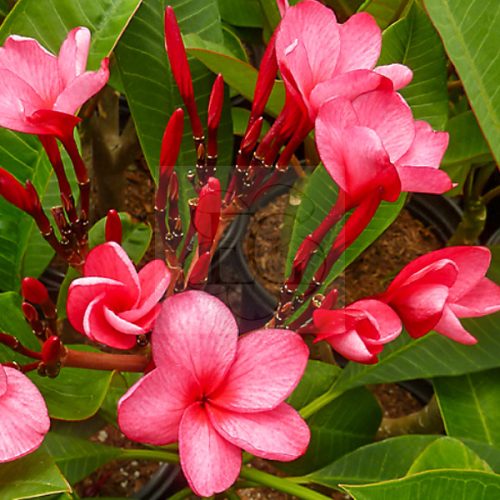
166 481
230 273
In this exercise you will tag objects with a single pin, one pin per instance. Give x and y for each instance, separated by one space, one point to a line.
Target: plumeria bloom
435 290
358 331
373 142
23 415
217 394
40 89
320 59
112 303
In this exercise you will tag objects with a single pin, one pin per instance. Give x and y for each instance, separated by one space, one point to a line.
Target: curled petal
268 366
481 300
210 463
73 54
279 434
399 74
424 180
351 346
387 321
450 326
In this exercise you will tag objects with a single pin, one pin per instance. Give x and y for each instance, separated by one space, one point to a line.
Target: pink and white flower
112 303
216 393
435 290
23 415
358 331
39 88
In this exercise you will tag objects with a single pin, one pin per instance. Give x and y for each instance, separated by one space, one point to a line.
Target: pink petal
83 291
151 410
110 260
283 6
154 279
308 44
3 381
120 324
268 366
420 307
450 326
334 322
349 85
197 333
427 149
399 74
360 43
424 180
279 434
351 346
24 417
73 54
33 64
387 321
97 327
210 463
481 300
82 88
390 117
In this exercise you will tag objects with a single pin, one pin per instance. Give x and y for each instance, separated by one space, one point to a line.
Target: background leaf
385 12
246 13
471 37
414 41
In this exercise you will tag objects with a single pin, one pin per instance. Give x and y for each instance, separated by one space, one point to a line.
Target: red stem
105 361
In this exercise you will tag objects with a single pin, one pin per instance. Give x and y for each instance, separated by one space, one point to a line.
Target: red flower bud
200 269
33 291
30 313
170 147
113 227
252 135
215 104
13 191
207 215
51 350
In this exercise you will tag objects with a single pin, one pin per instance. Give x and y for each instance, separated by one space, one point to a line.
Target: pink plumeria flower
358 331
217 394
373 142
112 303
23 415
320 59
435 290
37 86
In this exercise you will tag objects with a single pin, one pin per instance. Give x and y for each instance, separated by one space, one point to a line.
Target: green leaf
30 477
490 454
233 43
429 356
240 121
347 423
432 485
471 39
12 322
374 462
136 238
246 13
385 12
50 21
470 405
448 453
76 393
77 458
413 41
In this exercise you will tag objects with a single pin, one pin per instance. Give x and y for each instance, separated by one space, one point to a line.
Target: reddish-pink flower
358 331
320 59
373 142
23 415
435 290
112 303
38 86
215 393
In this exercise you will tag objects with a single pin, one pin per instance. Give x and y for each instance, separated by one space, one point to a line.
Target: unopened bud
207 214
13 191
199 272
51 350
34 291
113 229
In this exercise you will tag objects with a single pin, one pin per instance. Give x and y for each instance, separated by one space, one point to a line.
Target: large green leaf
388 459
31 477
470 405
77 458
246 13
385 12
429 356
49 22
490 454
432 485
470 33
414 41
76 393
344 425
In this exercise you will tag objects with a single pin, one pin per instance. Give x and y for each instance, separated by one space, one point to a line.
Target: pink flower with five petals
112 303
23 415
216 393
435 290
39 88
